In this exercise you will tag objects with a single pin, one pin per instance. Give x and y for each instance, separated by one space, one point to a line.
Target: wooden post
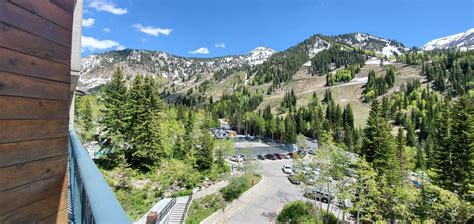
151 218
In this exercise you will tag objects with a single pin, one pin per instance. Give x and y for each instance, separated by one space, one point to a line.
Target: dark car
270 156
290 154
261 157
277 155
317 195
294 180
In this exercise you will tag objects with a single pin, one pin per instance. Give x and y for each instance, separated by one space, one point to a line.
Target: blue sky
209 28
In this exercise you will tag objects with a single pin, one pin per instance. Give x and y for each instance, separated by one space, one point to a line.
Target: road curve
262 203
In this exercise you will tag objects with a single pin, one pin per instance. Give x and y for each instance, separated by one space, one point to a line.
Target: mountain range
462 41
181 72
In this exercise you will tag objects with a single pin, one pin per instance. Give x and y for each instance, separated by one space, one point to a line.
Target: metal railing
186 208
165 210
90 198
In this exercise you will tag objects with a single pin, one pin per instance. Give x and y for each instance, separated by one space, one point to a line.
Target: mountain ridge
98 68
463 41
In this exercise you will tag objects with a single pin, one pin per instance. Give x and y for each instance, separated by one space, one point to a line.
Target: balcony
46 175
90 198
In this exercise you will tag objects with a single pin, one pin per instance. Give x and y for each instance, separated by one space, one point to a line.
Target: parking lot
260 147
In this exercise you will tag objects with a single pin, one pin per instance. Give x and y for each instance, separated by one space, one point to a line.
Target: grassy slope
304 85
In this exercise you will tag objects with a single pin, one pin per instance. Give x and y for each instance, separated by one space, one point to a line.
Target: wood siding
35 77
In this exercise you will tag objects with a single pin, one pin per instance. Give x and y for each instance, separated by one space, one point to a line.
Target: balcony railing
90 198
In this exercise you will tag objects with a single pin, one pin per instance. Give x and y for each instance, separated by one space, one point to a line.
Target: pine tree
379 145
114 117
411 139
327 96
87 116
462 146
290 130
348 116
205 155
401 152
145 120
442 157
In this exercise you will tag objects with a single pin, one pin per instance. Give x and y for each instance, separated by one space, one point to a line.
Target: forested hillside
421 122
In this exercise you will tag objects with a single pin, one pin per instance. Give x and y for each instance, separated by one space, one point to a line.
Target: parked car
286 156
293 179
270 156
288 169
237 159
319 195
290 154
261 157
294 147
277 155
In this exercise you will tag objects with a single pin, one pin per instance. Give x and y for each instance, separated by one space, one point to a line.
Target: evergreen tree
87 116
327 96
442 157
401 151
114 115
145 120
462 146
411 139
290 130
378 144
205 156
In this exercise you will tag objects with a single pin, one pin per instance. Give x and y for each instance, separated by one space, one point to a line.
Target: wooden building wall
35 76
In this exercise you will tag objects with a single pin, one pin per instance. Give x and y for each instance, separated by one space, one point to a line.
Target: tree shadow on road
270 215
283 196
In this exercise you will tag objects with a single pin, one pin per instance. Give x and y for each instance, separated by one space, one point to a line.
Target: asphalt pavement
263 202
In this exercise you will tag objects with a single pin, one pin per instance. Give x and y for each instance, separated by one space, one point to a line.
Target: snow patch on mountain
259 55
390 50
97 69
463 41
376 44
318 46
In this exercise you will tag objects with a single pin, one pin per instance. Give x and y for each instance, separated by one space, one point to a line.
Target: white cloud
120 47
202 50
88 22
152 31
143 40
221 45
106 30
107 6
93 44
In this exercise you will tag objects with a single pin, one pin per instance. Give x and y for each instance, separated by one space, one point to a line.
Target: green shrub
239 185
136 202
300 212
235 188
182 193
217 171
203 207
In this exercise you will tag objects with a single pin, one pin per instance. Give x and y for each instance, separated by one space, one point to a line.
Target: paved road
262 203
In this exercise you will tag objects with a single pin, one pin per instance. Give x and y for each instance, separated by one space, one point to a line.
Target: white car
237 159
287 169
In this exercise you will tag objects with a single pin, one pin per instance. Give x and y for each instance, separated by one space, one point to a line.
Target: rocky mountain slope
376 44
98 68
178 71
462 41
